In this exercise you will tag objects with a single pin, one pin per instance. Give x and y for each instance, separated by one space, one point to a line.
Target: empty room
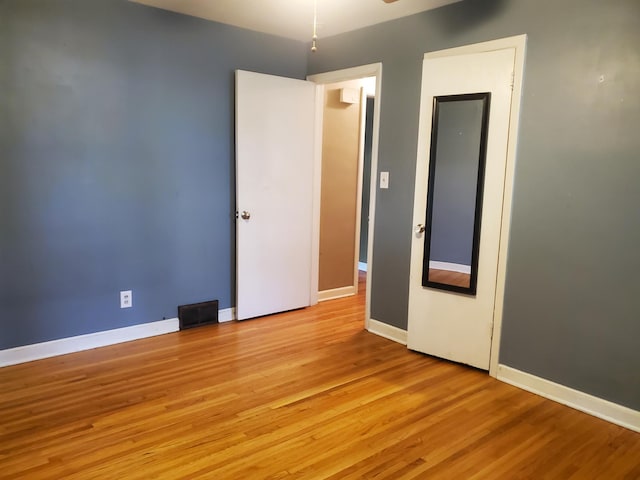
260 239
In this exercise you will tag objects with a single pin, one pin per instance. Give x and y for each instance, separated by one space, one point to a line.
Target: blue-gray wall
117 161
116 154
572 306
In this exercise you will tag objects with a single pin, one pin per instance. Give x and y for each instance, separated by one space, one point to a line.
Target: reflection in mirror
454 198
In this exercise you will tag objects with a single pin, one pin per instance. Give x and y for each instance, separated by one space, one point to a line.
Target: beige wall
339 191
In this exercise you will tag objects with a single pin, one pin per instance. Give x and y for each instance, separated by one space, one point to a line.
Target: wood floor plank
307 394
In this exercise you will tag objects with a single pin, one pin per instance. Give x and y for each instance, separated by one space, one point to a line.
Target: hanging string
314 39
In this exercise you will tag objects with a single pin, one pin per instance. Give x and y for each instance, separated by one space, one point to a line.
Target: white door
275 131
450 324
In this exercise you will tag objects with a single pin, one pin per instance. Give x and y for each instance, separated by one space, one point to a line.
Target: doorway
324 80
344 155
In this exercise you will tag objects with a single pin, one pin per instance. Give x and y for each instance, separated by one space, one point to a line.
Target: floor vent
197 314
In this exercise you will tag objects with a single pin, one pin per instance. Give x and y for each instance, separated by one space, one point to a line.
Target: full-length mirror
454 198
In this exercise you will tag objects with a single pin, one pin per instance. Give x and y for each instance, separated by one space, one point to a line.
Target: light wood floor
306 395
450 278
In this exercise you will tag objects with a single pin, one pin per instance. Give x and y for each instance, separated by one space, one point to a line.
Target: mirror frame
482 157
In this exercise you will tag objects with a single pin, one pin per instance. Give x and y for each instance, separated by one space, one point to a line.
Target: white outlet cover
126 299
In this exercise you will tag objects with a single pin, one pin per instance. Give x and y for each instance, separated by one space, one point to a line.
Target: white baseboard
450 267
226 315
362 266
38 351
388 331
28 353
604 409
336 293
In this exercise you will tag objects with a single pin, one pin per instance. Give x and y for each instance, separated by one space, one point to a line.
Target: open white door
275 132
447 323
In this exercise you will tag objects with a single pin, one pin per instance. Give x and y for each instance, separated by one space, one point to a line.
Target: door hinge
513 79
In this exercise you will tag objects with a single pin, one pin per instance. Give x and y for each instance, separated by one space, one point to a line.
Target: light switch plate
384 179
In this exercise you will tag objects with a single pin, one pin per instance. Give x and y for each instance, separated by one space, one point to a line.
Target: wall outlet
126 299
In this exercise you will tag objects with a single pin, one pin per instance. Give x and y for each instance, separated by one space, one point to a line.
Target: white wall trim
226 315
598 407
387 331
316 195
337 293
515 41
362 266
450 267
519 43
362 126
63 346
28 353
352 73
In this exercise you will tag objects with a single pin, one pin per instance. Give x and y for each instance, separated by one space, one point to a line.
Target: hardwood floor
306 394
450 278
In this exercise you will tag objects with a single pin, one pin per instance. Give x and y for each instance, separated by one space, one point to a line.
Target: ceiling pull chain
314 39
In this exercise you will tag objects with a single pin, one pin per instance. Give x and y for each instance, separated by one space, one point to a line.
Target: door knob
419 228
245 215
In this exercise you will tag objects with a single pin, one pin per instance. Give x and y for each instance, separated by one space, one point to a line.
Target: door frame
321 79
519 43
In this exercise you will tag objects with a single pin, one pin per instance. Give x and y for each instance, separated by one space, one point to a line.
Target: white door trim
371 70
316 193
359 187
519 43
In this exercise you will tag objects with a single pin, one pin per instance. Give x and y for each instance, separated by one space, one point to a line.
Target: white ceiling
294 18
